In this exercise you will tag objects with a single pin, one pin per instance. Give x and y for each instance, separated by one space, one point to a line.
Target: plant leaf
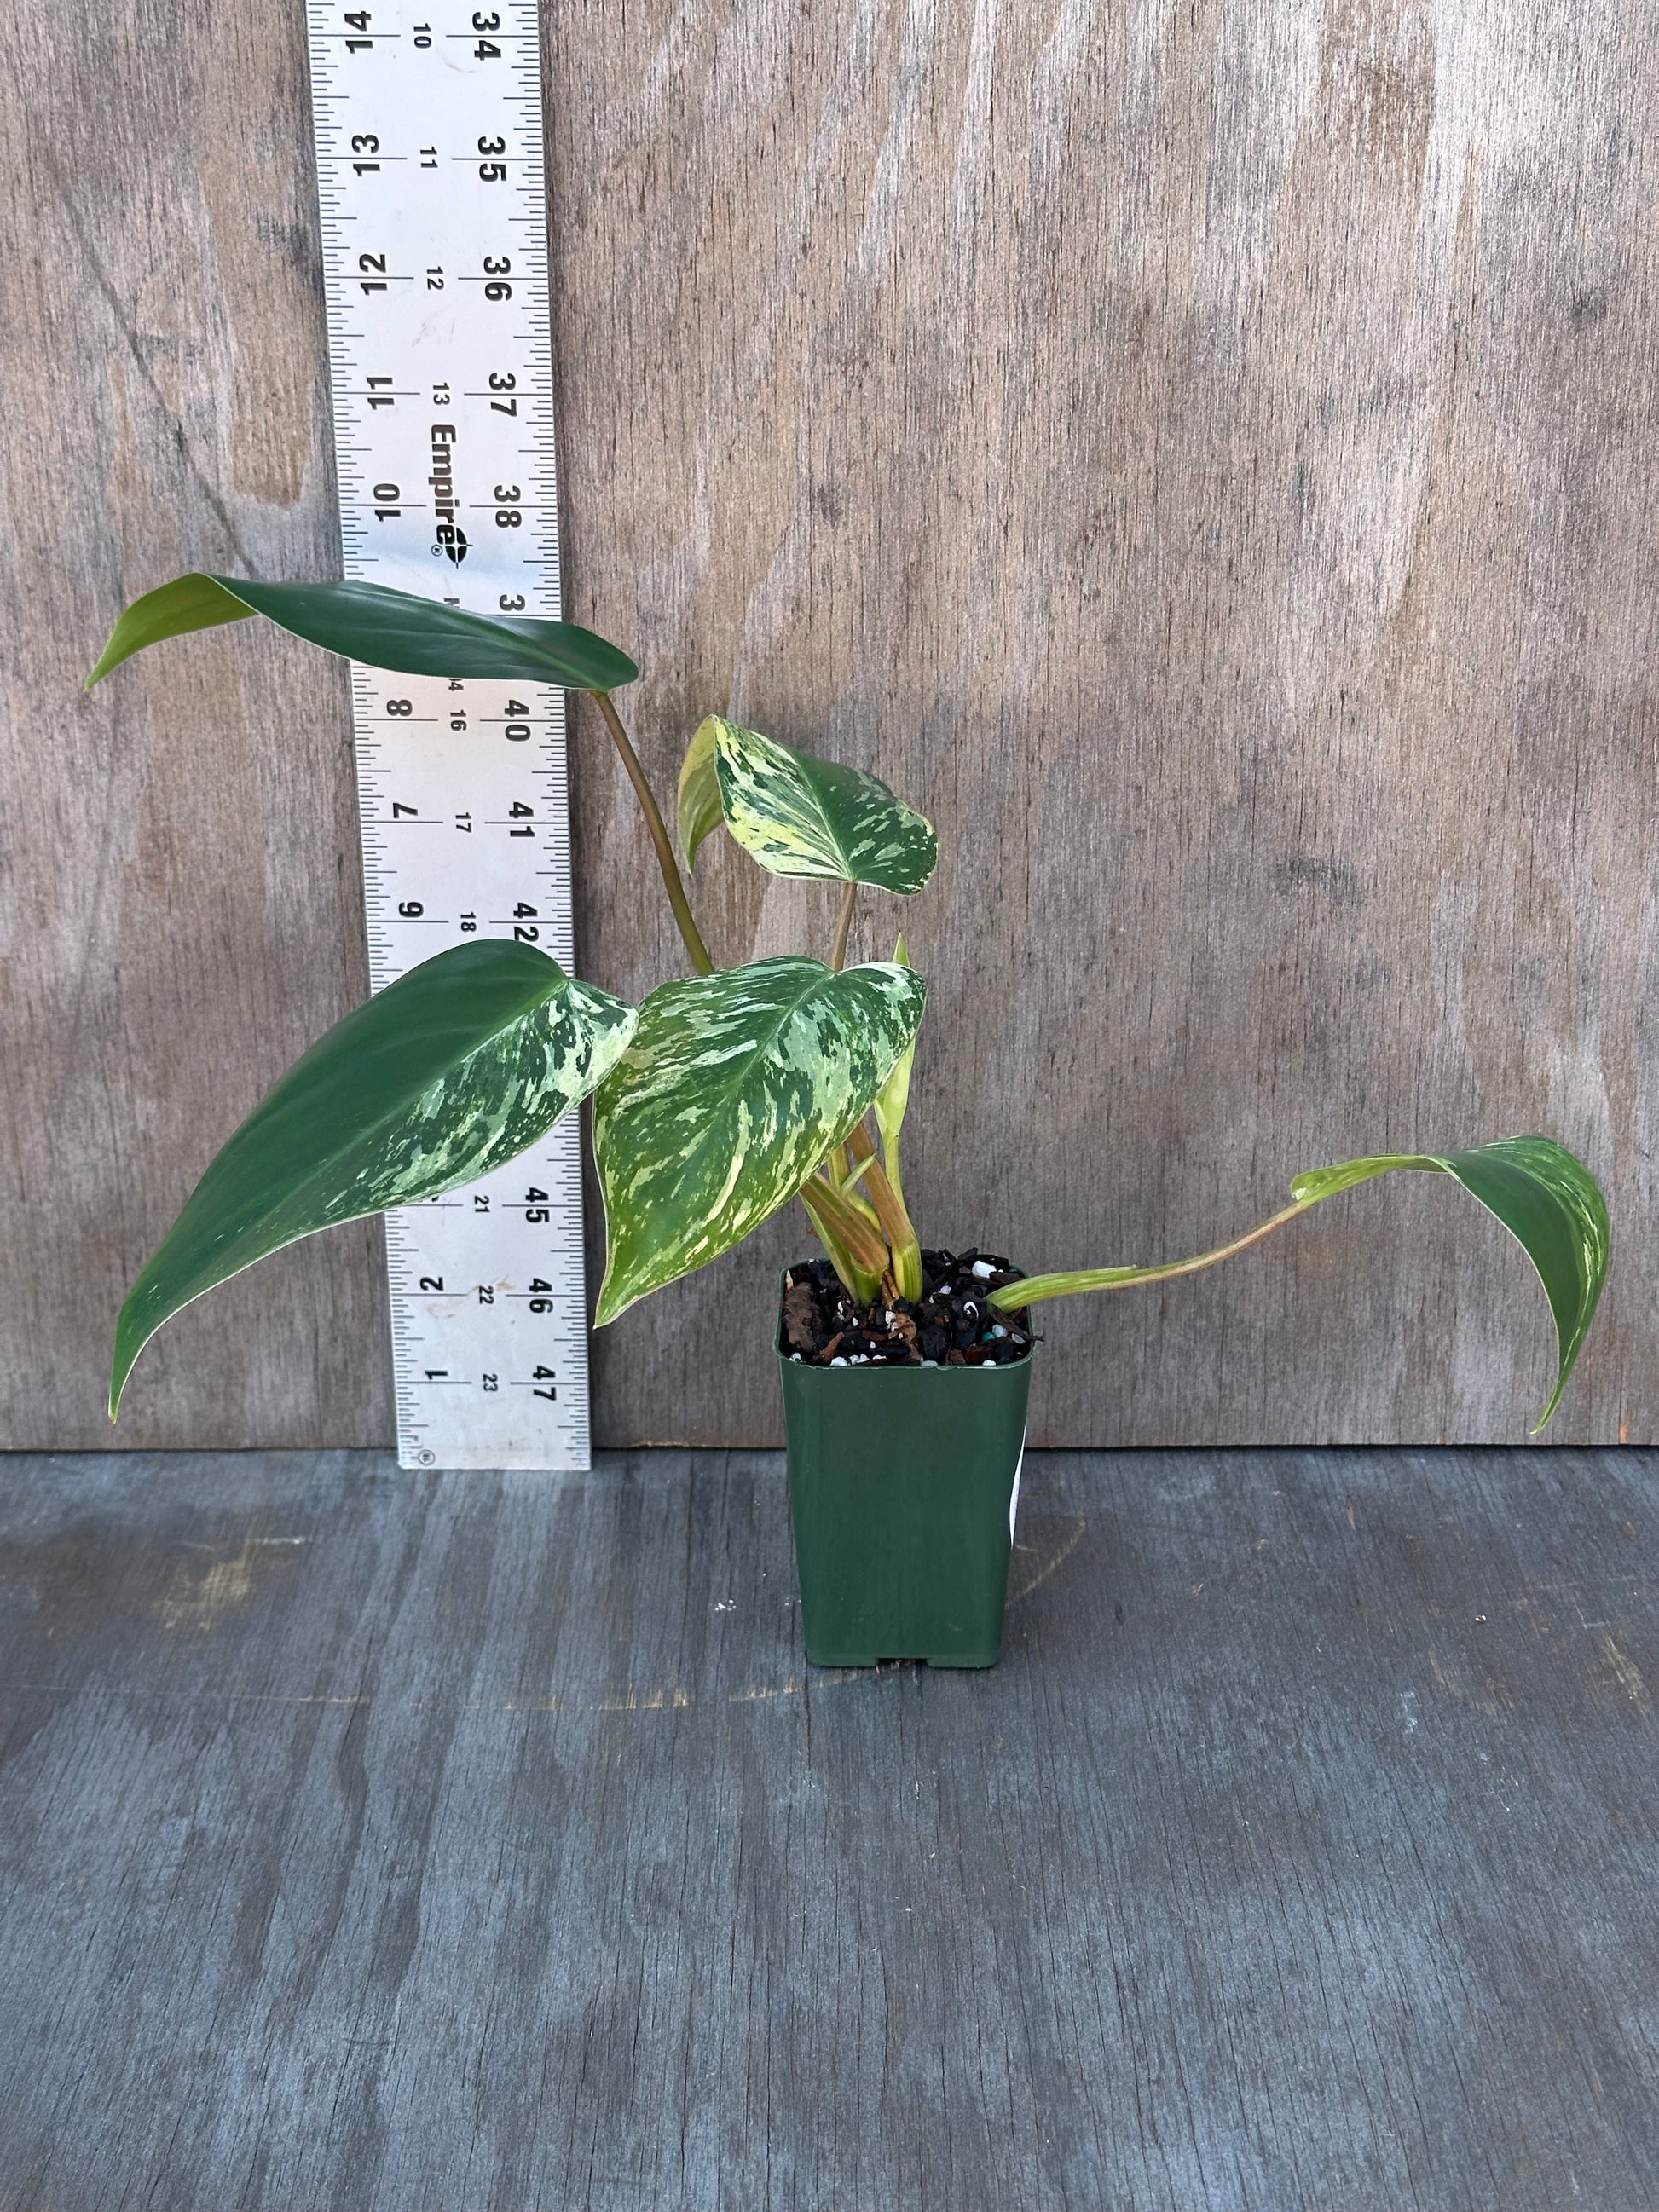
735 1086
446 1073
700 791
382 628
894 1096
1547 1200
801 817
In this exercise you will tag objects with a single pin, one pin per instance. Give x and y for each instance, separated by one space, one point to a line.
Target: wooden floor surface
479 1843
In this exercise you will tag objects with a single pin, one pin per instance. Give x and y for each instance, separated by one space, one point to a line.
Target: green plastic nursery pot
902 1487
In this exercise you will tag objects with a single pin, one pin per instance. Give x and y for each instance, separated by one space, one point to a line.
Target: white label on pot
1013 1503
428 116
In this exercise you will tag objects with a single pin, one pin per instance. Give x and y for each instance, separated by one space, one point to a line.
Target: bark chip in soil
950 1326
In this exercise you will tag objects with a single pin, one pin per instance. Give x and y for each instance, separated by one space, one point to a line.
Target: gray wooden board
1203 455
481 1843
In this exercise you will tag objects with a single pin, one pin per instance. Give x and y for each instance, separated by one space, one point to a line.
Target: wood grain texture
1201 456
182 908
482 1841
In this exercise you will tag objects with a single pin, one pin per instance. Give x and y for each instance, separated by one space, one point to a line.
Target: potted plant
724 1095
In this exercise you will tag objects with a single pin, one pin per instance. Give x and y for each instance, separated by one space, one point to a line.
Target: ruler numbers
430 176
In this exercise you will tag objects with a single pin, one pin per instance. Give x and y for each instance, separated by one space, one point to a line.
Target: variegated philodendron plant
722 1096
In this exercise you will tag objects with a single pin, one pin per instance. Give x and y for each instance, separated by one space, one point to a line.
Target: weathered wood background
1201 453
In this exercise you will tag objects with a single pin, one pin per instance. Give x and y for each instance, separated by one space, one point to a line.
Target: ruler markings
429 145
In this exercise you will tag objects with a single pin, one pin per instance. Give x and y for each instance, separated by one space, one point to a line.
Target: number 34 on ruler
430 166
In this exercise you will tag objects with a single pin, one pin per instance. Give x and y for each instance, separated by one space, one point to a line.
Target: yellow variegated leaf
894 1096
801 817
449 1071
735 1086
700 791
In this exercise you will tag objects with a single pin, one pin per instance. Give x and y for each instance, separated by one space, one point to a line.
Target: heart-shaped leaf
1547 1200
735 1086
448 1072
700 791
801 817
385 628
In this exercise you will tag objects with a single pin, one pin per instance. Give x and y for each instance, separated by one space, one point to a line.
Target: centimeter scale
429 156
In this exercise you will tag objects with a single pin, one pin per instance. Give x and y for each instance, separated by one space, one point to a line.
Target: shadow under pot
903 1482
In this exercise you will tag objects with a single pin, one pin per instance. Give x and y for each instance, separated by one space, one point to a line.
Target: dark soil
950 1326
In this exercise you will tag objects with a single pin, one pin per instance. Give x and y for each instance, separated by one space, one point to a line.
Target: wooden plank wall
1202 454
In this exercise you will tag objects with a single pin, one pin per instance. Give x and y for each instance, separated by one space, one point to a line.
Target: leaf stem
1013 1298
672 882
895 1223
853 1245
890 1160
843 923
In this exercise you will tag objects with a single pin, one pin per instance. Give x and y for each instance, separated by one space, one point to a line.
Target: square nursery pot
903 1486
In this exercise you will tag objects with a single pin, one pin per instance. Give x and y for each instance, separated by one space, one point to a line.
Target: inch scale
430 175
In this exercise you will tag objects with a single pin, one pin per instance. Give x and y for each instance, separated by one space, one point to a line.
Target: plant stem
672 882
1013 1298
890 1160
895 1223
843 923
854 1246
1226 1251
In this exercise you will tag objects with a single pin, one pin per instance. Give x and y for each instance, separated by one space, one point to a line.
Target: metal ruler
430 174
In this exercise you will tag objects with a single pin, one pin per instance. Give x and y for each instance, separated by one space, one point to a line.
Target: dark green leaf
1547 1200
448 1072
384 628
735 1086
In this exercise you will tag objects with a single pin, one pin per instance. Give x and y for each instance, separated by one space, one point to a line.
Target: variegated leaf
735 1086
1547 1200
446 1073
894 1097
801 817
700 791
